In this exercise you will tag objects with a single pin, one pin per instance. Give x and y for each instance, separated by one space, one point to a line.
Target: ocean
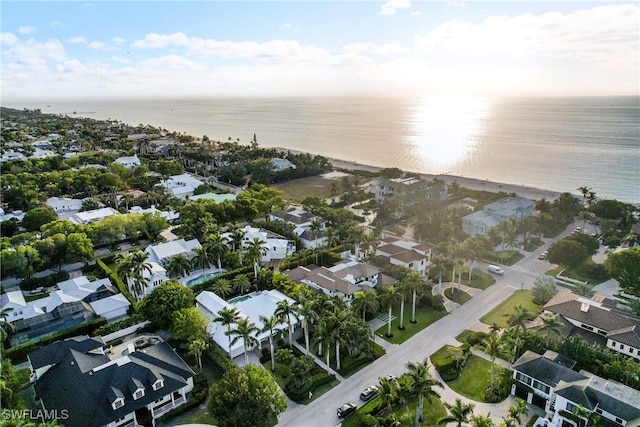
558 144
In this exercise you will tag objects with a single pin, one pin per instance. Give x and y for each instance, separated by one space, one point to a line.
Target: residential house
77 379
168 215
74 302
153 278
510 208
128 161
163 252
301 221
10 155
95 215
64 206
181 186
549 381
358 273
218 198
279 165
412 255
17 215
250 306
598 320
388 187
324 280
277 247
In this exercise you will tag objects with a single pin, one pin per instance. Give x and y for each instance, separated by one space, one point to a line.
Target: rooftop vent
584 307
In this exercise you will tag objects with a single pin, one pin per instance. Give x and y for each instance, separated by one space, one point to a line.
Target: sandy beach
471 183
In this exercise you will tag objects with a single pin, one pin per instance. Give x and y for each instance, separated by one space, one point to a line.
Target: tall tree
492 346
270 324
286 310
246 331
551 325
416 284
517 322
255 250
217 245
228 316
422 384
241 283
222 287
365 301
196 347
459 413
179 266
389 296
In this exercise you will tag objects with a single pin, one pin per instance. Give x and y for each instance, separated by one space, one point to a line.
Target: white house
412 255
154 278
250 306
277 247
64 206
163 252
510 208
324 280
18 215
279 165
10 155
357 273
301 221
88 217
128 161
181 186
168 215
388 187
111 308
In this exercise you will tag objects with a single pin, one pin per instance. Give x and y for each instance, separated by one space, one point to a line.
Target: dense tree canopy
568 253
624 266
246 396
165 300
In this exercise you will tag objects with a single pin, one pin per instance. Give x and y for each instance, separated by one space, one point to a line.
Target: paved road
322 411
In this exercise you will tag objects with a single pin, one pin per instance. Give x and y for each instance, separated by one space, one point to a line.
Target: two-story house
412 255
75 379
388 187
510 208
163 252
301 221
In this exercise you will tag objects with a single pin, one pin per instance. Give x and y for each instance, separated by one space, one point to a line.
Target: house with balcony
277 247
420 189
163 252
598 320
549 381
76 378
324 280
301 222
491 215
412 255
358 273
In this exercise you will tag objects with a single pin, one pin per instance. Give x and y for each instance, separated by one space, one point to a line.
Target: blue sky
95 49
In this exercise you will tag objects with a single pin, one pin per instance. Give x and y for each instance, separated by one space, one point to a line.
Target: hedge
194 398
116 326
124 289
317 380
19 353
44 282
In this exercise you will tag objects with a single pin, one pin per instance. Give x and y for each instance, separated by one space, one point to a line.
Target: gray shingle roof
52 354
629 335
544 370
598 317
85 385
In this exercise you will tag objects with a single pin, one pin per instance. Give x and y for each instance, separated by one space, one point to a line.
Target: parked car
391 377
495 269
369 393
346 409
36 291
543 255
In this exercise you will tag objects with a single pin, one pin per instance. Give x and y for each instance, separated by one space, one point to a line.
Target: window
138 394
158 384
542 387
118 403
618 420
613 344
571 407
598 411
523 378
621 346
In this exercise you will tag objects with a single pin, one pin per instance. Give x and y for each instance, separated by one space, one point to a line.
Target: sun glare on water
445 129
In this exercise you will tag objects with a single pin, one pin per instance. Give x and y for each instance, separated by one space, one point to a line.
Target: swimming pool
201 278
239 299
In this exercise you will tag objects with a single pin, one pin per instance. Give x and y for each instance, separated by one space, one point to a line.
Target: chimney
131 348
584 307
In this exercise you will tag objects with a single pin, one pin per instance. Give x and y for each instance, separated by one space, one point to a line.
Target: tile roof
591 313
629 335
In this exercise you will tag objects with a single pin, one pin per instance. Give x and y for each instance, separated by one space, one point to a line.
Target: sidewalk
318 361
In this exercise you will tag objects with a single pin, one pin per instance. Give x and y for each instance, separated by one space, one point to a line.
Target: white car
495 269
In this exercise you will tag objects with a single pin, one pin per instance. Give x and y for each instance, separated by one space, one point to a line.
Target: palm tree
388 392
255 250
270 324
217 246
415 283
517 411
179 266
389 296
404 290
423 384
131 268
6 328
203 258
365 301
222 287
306 312
245 330
439 265
551 325
196 347
324 337
492 346
227 317
315 226
482 421
585 192
284 311
356 234
585 289
236 235
241 283
459 413
517 321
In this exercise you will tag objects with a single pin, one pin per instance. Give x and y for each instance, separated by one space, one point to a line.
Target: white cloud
416 13
77 40
603 34
56 24
155 40
8 39
392 6
97 45
455 3
118 41
374 49
27 30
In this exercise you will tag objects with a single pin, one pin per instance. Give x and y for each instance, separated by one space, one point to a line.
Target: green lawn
500 314
298 189
424 317
462 336
433 412
474 379
456 295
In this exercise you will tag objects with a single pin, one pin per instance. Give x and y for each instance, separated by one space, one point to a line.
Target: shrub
116 326
194 398
45 282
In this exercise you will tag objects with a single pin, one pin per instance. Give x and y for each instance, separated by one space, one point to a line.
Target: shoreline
467 182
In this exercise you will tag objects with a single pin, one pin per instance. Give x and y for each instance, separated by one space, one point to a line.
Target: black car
369 393
346 409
